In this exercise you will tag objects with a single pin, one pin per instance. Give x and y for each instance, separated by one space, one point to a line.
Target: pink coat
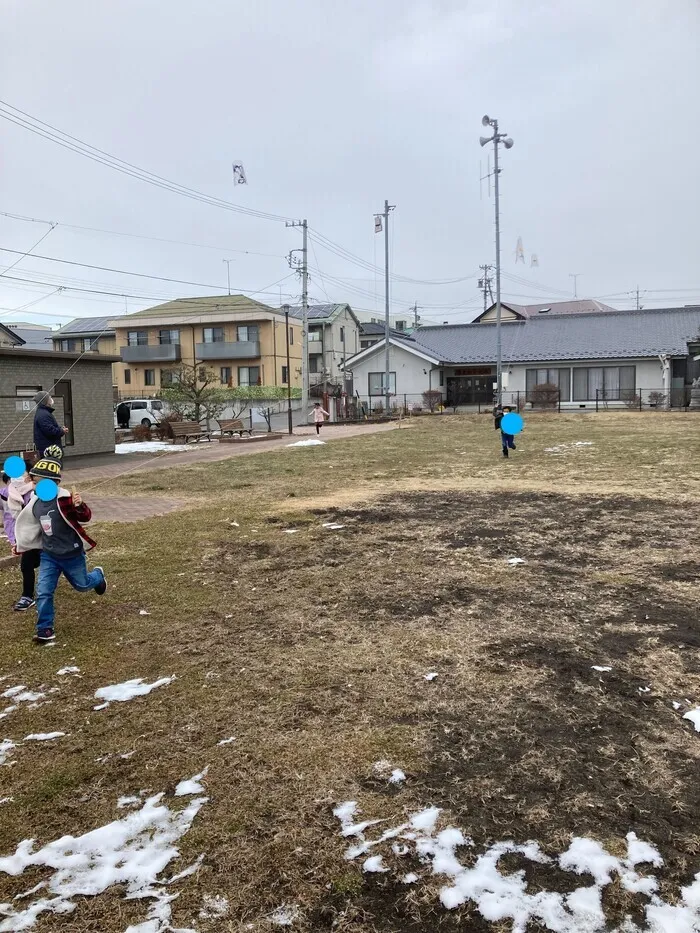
319 415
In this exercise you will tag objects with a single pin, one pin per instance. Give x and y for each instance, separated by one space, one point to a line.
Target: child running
320 414
507 440
14 495
56 528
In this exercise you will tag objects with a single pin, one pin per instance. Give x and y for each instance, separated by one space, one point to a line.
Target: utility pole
387 369
416 317
228 273
303 267
485 284
574 276
497 139
639 307
290 429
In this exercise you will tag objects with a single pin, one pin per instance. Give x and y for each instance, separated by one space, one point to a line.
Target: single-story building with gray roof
611 357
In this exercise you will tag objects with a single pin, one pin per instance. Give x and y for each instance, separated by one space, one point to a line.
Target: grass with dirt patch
312 648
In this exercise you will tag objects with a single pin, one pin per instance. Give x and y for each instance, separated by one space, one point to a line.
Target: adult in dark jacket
47 430
123 415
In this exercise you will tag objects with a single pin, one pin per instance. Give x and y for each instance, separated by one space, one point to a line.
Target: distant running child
56 528
14 496
320 415
507 440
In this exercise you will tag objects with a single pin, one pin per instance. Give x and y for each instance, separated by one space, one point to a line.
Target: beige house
334 336
241 340
88 335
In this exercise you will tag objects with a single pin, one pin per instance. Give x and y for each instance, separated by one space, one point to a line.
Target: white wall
412 372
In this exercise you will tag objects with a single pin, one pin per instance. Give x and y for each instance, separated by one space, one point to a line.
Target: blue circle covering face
15 467
512 423
46 490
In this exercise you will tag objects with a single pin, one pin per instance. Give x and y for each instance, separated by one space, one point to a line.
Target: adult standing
123 415
47 430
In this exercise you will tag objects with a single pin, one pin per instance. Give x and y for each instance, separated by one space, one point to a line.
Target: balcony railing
152 353
238 350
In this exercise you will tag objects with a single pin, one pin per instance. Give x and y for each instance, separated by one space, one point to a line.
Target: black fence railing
678 399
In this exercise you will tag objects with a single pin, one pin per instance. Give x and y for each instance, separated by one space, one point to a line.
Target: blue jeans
74 570
507 440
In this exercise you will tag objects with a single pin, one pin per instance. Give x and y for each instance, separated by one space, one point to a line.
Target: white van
146 411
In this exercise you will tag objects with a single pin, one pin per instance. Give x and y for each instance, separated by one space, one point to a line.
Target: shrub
545 395
632 401
657 399
432 398
142 432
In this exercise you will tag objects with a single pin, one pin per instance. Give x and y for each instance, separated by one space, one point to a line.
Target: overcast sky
332 107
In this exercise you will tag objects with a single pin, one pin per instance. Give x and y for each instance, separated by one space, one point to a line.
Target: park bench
188 430
233 426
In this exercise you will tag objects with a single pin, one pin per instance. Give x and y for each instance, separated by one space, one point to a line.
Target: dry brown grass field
311 650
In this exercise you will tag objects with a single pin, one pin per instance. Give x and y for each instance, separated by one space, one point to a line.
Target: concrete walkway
89 471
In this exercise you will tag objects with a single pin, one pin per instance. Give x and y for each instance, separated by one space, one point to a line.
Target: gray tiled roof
86 325
571 306
605 335
34 339
378 330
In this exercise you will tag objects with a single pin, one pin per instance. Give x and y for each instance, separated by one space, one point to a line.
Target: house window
561 378
26 391
610 383
225 375
150 377
127 377
248 376
342 335
313 364
285 375
169 337
168 377
90 345
291 335
137 338
400 325
377 385
365 343
248 332
442 377
68 346
213 334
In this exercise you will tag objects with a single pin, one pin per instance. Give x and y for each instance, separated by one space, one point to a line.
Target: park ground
311 652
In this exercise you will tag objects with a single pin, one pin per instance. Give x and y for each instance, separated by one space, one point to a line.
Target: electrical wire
40 128
141 236
24 255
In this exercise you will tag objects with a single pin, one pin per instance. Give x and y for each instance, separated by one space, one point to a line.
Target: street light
498 139
290 429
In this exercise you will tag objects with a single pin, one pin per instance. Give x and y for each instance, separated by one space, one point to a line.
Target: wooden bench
188 430
233 426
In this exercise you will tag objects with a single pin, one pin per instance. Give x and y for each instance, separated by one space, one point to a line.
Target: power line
140 236
28 122
24 255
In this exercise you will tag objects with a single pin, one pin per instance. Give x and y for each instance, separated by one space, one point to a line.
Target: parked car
146 411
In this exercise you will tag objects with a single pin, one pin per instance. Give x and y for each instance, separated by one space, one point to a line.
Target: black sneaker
24 603
505 452
45 637
101 588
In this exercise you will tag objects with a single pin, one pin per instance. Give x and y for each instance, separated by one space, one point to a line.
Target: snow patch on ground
562 448
7 747
17 695
121 693
503 897
694 716
43 736
192 786
68 670
285 916
227 741
214 906
601 670
514 561
310 443
431 676
150 447
132 852
332 526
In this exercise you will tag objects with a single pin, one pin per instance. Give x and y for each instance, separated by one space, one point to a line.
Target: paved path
88 472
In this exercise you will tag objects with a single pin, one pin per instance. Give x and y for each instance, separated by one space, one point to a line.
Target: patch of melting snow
676 705
310 443
601 670
68 670
132 852
191 786
144 612
432 676
227 741
332 526
124 802
214 906
560 448
514 561
694 716
149 447
43 736
397 776
6 800
7 747
22 695
290 531
121 693
287 914
501 896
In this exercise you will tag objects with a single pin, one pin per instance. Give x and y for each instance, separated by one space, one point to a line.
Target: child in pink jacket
14 495
320 414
